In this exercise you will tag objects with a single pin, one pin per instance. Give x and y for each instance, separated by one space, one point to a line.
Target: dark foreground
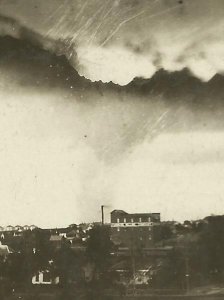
86 293
50 296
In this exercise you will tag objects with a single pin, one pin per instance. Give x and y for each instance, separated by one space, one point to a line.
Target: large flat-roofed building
135 230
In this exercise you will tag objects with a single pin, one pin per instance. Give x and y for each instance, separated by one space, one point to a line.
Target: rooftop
56 238
124 212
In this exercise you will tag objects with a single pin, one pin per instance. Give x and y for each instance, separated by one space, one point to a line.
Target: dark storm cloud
168 102
190 103
120 40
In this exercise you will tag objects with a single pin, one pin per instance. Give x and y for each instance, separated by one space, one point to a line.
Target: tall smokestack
102 212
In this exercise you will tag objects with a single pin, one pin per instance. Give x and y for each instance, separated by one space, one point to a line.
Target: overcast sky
66 150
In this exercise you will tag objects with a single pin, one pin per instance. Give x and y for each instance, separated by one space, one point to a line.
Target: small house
26 227
32 227
45 278
18 228
10 228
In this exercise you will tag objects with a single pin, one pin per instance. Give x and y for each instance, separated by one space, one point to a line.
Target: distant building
85 227
136 230
18 228
9 228
45 278
56 240
26 227
32 227
17 233
64 234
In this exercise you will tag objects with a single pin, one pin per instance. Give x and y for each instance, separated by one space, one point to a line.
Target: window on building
124 220
118 229
140 219
37 277
149 219
118 220
132 220
150 228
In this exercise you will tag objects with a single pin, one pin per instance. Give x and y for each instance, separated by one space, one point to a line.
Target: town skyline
106 221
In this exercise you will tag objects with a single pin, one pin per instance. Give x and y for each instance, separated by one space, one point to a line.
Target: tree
99 248
166 232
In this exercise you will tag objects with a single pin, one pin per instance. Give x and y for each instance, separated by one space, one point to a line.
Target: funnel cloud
115 103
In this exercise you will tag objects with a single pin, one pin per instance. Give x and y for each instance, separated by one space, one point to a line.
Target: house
17 233
64 234
18 228
26 227
74 233
85 227
56 240
9 228
137 230
61 230
45 278
32 227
